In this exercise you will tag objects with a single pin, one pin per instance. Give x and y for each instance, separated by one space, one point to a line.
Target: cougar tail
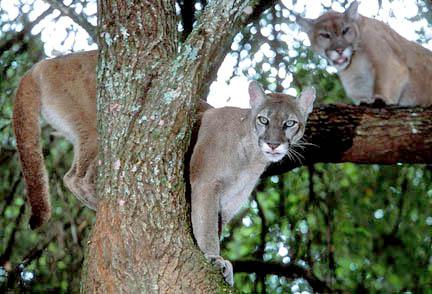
27 130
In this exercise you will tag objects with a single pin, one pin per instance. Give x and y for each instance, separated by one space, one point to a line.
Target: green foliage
360 227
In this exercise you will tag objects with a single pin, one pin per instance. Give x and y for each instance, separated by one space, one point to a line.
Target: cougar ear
256 94
306 100
352 11
305 24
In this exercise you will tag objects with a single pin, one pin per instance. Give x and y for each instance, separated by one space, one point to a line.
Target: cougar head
278 120
335 36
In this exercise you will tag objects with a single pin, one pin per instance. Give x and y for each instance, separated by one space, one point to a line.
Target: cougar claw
225 266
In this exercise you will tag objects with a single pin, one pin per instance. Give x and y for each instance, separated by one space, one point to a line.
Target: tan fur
230 155
64 90
383 64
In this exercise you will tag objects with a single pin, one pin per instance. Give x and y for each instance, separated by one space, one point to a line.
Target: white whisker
294 155
299 156
298 153
302 144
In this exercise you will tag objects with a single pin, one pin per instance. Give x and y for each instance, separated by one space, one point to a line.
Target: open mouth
341 60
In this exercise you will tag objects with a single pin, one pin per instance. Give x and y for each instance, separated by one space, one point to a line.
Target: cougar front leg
389 87
205 218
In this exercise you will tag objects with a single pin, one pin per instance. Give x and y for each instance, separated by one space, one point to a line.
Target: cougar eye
263 120
345 30
325 35
289 124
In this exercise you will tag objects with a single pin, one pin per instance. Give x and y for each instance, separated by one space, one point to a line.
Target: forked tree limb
363 134
219 55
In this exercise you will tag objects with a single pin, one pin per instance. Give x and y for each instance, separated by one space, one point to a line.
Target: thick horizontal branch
291 271
337 133
362 134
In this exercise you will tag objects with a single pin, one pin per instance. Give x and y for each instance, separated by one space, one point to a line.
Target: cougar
373 61
233 148
64 90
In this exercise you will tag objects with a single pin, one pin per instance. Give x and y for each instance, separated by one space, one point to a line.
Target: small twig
78 19
404 188
261 248
8 251
19 36
329 237
8 199
309 203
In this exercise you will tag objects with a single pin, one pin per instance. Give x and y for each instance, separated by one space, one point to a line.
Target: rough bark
147 95
361 134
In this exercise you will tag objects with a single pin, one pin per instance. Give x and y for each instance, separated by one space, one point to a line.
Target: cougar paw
89 194
378 102
82 190
225 266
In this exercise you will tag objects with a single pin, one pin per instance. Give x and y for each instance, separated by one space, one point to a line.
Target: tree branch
6 154
80 20
262 6
259 253
362 134
291 271
217 55
18 37
11 242
337 133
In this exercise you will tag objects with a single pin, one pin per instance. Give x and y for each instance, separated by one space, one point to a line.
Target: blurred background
326 227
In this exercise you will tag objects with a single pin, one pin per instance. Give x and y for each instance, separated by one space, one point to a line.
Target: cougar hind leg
80 179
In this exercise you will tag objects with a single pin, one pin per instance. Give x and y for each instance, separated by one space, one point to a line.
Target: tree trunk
147 95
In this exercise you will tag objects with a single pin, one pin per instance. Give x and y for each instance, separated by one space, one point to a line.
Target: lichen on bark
147 95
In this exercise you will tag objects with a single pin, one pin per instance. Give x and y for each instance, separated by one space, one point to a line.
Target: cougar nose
339 50
273 146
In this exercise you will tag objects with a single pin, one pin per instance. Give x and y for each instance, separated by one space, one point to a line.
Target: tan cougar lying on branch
373 61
